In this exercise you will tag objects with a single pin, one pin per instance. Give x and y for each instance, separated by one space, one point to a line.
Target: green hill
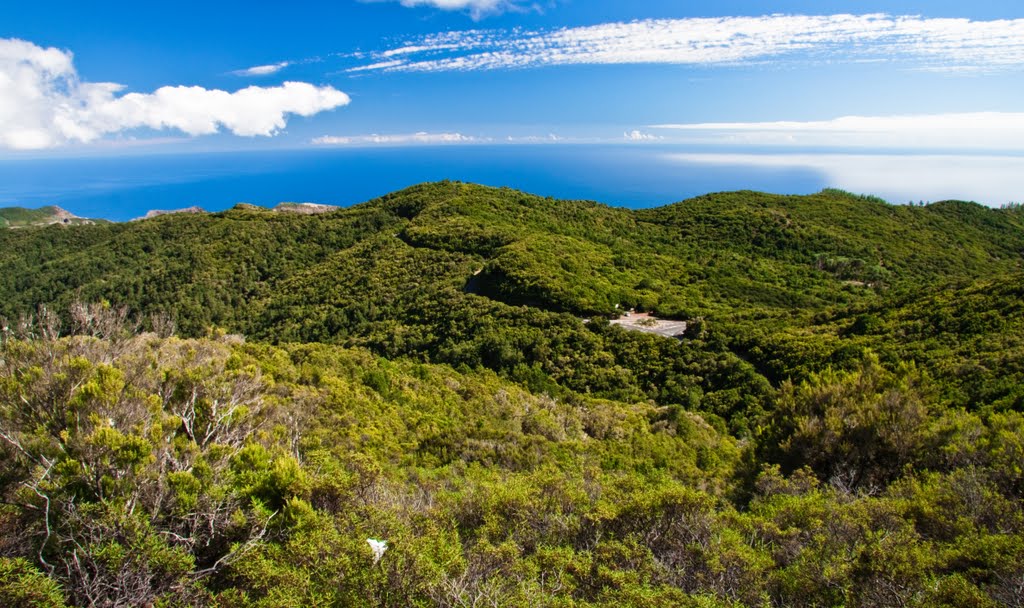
478 276
20 217
705 256
841 423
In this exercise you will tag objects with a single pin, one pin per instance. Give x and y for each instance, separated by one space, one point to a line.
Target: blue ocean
125 187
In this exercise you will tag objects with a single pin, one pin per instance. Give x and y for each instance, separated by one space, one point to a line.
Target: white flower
378 547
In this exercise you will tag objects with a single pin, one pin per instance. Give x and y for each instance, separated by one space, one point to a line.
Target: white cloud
263 70
43 103
637 135
550 138
988 179
419 138
476 8
954 44
380 65
963 131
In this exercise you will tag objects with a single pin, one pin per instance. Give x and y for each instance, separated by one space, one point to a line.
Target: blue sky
731 81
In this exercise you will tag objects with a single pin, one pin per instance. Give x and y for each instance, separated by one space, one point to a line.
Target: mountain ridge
680 260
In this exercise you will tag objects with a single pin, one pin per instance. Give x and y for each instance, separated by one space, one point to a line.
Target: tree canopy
220 409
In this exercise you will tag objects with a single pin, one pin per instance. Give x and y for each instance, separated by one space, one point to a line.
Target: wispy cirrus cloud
419 138
926 43
960 131
374 67
44 104
477 9
263 70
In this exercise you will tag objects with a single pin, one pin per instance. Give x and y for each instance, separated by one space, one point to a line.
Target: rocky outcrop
158 212
305 208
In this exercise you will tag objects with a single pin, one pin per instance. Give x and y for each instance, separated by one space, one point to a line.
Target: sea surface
125 187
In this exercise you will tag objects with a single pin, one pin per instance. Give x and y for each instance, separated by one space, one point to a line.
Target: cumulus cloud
263 70
637 135
961 131
421 138
953 44
44 104
476 8
988 179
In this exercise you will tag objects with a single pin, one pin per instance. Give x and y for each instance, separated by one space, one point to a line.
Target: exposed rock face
63 216
158 212
305 208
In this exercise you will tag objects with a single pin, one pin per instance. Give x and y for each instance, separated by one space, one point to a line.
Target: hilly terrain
220 408
20 217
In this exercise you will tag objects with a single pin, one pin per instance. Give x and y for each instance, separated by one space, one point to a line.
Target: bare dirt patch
645 322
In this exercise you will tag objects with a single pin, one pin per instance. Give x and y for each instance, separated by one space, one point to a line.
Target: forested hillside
841 424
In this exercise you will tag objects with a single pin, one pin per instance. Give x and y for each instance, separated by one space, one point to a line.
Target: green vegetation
842 424
19 217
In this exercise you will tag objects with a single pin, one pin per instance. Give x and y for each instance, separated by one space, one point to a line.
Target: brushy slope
141 470
841 424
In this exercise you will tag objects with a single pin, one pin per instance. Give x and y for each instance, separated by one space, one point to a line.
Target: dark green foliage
484 277
841 424
23 585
